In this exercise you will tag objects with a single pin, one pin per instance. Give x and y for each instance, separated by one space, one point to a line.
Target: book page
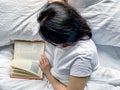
28 50
26 57
27 66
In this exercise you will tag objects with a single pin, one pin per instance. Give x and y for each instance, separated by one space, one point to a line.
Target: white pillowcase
18 20
104 20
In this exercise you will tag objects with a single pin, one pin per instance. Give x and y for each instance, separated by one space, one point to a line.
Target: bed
18 22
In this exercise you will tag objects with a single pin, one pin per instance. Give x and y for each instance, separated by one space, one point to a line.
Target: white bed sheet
104 79
109 56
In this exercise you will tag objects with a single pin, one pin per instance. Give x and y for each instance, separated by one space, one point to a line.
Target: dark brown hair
60 23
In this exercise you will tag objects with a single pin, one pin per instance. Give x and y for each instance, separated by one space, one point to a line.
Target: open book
25 63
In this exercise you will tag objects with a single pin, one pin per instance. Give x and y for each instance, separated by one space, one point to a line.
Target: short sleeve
82 67
49 51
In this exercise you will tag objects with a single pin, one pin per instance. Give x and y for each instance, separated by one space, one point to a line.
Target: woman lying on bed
75 56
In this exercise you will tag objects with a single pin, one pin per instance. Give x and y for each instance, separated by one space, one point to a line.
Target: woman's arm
45 67
75 83
55 83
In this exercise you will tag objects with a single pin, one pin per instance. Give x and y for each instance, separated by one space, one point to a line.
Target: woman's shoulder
85 45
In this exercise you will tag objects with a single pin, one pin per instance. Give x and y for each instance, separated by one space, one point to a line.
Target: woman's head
60 23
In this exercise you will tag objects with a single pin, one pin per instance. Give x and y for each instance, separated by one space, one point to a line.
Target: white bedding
109 56
22 18
18 20
105 78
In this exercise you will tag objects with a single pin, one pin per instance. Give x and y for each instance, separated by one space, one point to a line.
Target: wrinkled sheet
109 56
18 20
105 78
103 17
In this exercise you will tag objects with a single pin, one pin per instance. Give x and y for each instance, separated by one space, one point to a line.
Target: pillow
104 20
18 20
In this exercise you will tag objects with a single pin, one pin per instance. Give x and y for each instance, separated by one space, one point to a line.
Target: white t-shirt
79 60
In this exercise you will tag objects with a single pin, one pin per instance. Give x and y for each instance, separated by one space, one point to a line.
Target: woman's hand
45 65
